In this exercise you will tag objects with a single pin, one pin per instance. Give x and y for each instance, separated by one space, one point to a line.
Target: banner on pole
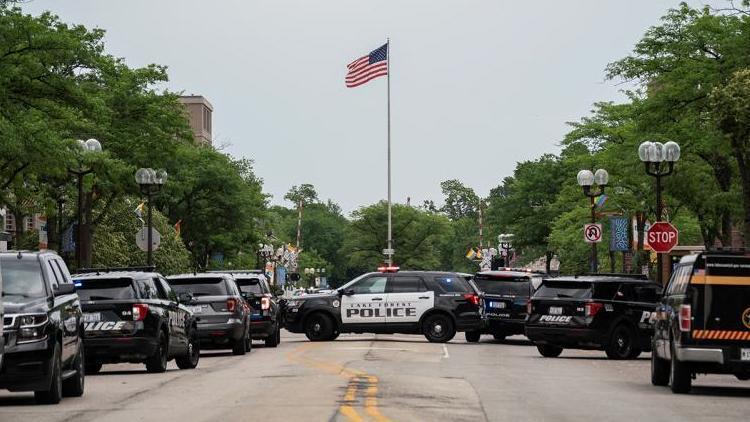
619 239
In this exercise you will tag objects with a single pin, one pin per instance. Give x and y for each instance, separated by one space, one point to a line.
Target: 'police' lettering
555 318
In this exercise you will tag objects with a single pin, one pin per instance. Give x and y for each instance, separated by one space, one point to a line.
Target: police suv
598 312
435 304
133 315
703 322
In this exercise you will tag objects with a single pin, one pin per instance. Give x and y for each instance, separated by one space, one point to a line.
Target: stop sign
662 237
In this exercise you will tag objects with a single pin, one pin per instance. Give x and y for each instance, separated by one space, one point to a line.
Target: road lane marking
356 379
394 349
445 351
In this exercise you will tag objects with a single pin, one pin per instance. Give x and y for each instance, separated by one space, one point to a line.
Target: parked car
702 325
506 294
133 315
265 323
42 325
435 304
609 312
223 314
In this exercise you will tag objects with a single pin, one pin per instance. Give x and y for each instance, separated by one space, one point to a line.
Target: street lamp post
505 242
150 182
89 146
654 155
587 179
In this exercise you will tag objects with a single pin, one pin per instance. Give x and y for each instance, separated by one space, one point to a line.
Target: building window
28 224
207 120
10 222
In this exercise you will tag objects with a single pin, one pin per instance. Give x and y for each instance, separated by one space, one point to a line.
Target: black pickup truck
135 316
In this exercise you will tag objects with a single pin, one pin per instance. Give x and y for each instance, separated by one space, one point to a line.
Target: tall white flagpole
390 228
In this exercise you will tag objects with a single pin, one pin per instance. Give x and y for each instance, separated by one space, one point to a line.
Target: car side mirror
64 289
185 297
347 292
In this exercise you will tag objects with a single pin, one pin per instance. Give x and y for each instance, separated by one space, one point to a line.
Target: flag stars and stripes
367 68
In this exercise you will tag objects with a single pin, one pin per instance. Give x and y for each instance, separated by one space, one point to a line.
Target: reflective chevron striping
721 335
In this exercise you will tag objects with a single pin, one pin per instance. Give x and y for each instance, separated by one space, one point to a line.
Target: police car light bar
389 269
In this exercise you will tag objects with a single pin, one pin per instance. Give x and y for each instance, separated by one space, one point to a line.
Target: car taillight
140 310
472 298
231 305
265 303
685 317
593 308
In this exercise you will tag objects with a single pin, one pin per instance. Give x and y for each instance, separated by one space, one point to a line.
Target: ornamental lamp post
150 181
505 242
654 155
586 180
85 147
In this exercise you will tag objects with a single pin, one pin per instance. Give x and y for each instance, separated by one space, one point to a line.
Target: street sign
592 233
389 251
663 237
141 239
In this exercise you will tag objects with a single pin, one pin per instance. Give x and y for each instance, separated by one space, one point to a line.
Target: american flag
367 68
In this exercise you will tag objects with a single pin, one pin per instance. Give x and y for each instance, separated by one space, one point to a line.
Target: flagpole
390 228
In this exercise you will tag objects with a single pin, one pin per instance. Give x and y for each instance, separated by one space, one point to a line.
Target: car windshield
105 289
199 286
249 285
22 278
564 289
453 284
498 285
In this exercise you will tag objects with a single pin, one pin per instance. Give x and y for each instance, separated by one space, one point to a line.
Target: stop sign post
663 237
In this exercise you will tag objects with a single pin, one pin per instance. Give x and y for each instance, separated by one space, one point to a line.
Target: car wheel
73 386
54 394
548 350
680 378
239 347
622 344
274 339
499 337
92 367
157 363
742 377
438 328
319 327
659 370
473 336
190 360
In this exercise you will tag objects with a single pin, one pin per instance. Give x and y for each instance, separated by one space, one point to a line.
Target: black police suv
435 304
133 315
506 294
599 312
702 325
42 327
265 322
223 315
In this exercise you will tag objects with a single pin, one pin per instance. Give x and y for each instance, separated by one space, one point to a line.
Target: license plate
498 305
92 317
196 309
745 354
555 310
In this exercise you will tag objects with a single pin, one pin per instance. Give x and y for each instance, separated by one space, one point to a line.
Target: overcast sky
476 86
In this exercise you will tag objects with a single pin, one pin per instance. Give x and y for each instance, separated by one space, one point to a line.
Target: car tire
438 328
742 377
274 339
334 336
659 370
473 336
73 386
92 367
548 350
622 344
319 327
54 394
239 347
157 363
499 337
193 355
680 378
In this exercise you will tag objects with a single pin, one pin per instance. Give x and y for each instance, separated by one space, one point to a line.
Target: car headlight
32 328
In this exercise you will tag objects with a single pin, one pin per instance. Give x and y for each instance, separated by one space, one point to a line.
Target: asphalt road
390 377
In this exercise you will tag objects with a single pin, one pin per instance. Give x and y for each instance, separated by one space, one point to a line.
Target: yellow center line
355 378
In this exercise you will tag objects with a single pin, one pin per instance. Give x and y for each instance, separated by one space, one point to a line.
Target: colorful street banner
619 239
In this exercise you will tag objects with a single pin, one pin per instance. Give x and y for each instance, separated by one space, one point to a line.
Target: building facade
200 115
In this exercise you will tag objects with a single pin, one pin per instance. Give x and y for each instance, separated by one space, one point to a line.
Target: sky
476 85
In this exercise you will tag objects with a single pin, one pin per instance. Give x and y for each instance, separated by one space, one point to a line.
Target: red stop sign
662 237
